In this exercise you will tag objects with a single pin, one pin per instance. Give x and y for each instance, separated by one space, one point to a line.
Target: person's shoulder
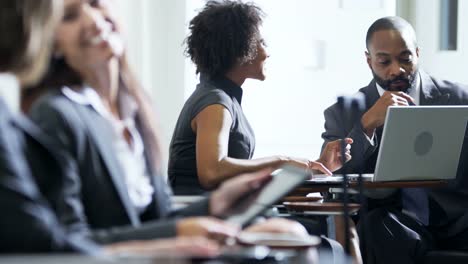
449 86
52 99
457 89
204 96
368 88
53 105
218 96
363 90
208 92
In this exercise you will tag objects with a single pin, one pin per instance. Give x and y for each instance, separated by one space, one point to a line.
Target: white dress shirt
9 91
130 155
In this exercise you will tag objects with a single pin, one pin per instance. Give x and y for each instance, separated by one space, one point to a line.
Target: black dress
182 169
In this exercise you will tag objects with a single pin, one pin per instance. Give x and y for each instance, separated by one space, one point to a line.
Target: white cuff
370 139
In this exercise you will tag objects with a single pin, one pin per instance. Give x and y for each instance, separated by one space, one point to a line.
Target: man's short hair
390 23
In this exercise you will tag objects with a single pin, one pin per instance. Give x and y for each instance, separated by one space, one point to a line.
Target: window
448 24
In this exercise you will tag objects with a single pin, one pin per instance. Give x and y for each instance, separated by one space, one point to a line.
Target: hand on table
278 226
208 227
183 246
230 191
331 154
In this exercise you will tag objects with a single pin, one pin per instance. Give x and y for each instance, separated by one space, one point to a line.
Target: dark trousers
393 237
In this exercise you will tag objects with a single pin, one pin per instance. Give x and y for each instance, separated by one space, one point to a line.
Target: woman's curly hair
224 33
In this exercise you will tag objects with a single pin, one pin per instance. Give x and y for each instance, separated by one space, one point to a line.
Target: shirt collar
223 83
414 93
9 90
88 96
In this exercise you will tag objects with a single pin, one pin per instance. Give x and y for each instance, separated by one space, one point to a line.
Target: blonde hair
26 32
149 124
61 74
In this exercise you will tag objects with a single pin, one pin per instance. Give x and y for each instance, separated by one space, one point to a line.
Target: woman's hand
208 227
230 191
307 164
183 246
331 155
278 226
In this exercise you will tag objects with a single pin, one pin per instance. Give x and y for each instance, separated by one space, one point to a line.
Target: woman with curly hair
213 140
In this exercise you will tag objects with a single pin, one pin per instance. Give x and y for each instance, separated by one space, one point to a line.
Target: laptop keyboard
339 177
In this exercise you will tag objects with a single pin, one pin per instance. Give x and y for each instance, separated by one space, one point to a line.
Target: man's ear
368 58
417 52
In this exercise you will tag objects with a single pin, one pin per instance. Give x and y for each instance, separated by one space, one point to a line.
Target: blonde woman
34 217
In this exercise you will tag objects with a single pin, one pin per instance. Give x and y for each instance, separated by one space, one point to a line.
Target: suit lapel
430 94
15 155
162 192
100 133
372 95
34 132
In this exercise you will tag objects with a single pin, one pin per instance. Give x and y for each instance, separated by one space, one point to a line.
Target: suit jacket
103 196
28 222
449 206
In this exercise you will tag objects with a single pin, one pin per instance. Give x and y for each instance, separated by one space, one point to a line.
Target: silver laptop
418 143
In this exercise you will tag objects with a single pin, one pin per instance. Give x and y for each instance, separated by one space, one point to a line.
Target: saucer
286 241
320 207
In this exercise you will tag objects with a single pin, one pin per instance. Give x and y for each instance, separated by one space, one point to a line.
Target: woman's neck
105 81
236 75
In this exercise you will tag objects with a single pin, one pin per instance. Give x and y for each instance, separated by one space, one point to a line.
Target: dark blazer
28 222
450 204
107 208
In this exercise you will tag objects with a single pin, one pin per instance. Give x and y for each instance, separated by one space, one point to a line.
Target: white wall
317 53
449 65
155 31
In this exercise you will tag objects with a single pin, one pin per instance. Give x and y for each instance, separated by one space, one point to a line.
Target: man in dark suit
402 227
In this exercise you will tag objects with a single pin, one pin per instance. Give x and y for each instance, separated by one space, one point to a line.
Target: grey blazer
450 204
105 205
31 169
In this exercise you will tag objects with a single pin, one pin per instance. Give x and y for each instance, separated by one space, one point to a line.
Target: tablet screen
284 180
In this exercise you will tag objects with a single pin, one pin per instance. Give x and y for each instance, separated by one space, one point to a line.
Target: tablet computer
284 180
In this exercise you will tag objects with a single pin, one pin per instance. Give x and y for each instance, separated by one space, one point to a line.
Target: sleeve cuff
370 139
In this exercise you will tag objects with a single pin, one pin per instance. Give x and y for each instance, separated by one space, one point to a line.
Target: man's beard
410 82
